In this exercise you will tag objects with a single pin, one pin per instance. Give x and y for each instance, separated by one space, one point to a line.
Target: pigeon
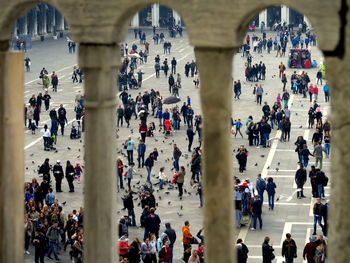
160 198
156 140
277 199
81 140
79 150
277 169
139 204
256 164
135 198
56 151
33 162
296 113
179 214
189 193
26 168
161 151
278 163
163 141
185 190
262 156
32 154
181 207
78 156
138 182
302 105
167 193
268 167
118 212
169 203
68 148
64 203
300 126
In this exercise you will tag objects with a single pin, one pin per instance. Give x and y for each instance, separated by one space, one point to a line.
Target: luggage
245 220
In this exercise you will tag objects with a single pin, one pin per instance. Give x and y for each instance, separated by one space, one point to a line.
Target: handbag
193 240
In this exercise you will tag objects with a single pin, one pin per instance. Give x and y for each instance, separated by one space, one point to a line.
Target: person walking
70 174
62 119
317 210
289 249
130 145
54 81
271 191
176 155
242 251
318 153
300 179
259 92
53 234
149 163
190 135
260 187
172 238
141 150
256 211
242 157
267 251
309 251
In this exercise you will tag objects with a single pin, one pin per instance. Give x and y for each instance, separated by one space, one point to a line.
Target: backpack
325 180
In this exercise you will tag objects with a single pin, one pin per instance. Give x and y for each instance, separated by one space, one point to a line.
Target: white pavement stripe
55 71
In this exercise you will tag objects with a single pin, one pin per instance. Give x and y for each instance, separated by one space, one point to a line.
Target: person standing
300 179
289 249
78 112
141 149
318 153
242 157
40 245
27 63
256 211
70 174
172 238
130 144
54 81
149 163
120 168
326 92
120 114
62 119
186 235
180 179
317 209
58 174
267 251
173 65
259 92
176 155
129 205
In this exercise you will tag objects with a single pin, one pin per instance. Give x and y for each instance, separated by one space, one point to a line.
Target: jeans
320 191
266 139
271 198
120 119
261 195
327 149
176 164
161 183
180 186
305 161
130 156
319 159
149 170
52 248
255 217
238 217
141 160
317 220
132 214
258 99
289 260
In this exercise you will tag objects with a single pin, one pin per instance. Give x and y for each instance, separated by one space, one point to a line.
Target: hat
78 163
58 161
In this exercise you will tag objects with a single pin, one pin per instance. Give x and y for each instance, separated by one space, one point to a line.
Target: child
78 171
151 129
33 127
162 177
188 101
155 154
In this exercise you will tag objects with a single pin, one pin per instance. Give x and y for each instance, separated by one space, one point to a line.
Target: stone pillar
284 14
216 99
176 17
99 63
263 17
14 30
60 22
25 24
35 21
135 21
155 15
11 157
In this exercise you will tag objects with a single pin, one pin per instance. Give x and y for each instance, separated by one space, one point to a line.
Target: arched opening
279 67
158 65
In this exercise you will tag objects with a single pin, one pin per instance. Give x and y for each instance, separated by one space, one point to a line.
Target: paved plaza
291 215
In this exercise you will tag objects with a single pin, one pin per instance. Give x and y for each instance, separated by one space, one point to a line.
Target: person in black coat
62 119
36 115
300 179
129 205
45 169
242 251
190 135
172 238
40 244
70 173
289 248
242 158
267 251
58 174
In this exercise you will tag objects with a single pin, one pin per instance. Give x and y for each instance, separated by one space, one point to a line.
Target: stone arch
122 22
17 9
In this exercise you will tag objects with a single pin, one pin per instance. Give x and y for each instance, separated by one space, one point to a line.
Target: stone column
135 21
155 15
284 14
99 63
216 99
35 21
11 157
263 17
176 17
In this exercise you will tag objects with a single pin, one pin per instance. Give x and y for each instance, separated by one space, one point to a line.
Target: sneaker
253 229
27 252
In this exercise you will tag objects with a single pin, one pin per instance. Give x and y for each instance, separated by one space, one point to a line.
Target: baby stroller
75 131
49 144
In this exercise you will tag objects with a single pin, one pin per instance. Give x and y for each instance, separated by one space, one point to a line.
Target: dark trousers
120 175
255 217
180 186
258 99
58 185
62 127
130 156
71 185
120 119
141 160
131 213
39 256
173 69
190 141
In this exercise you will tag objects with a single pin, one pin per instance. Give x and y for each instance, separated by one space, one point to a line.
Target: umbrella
171 100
